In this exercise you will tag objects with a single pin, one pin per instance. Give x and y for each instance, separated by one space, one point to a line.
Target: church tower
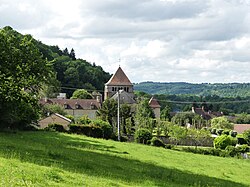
119 81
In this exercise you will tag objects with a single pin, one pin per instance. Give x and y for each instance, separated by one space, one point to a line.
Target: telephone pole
118 116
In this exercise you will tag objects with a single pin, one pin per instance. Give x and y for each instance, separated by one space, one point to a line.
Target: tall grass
58 159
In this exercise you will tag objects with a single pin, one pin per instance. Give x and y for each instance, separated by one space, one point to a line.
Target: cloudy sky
156 40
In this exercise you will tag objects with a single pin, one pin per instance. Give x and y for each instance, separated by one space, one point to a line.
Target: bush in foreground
157 142
142 135
223 141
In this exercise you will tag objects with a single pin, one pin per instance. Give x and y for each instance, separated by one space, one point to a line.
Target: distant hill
204 89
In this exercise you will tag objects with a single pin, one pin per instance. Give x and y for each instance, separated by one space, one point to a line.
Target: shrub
233 133
84 120
213 131
231 151
246 136
142 135
169 146
122 138
55 127
157 142
223 141
219 131
243 148
88 130
226 131
105 126
75 128
241 140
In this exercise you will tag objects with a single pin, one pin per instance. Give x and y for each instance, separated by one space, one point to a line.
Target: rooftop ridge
119 78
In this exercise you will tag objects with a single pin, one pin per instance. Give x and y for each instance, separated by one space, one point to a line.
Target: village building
207 115
77 107
120 86
54 119
156 107
240 128
120 82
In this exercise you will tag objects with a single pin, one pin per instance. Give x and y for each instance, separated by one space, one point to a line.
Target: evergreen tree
66 52
72 54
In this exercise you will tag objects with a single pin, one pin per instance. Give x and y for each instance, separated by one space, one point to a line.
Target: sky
196 41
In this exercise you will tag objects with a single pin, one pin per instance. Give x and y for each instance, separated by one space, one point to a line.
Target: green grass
57 159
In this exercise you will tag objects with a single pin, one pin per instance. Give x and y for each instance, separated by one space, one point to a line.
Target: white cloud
157 40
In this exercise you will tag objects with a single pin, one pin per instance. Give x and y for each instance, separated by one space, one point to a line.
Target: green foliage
157 142
223 141
88 130
242 118
246 136
84 120
142 136
143 110
108 110
177 133
55 127
177 88
22 74
199 137
233 133
72 118
105 126
53 108
81 94
165 113
221 123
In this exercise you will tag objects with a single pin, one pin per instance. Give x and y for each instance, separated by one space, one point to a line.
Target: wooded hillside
205 89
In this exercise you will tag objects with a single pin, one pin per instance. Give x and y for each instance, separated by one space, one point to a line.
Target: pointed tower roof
153 103
119 78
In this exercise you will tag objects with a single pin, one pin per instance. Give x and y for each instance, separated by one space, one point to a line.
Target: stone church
120 82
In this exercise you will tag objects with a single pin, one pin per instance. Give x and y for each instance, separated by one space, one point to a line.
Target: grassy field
57 159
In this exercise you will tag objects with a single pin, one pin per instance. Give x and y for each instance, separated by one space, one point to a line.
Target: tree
81 94
66 52
52 108
125 113
221 123
165 113
144 115
143 110
72 54
246 135
23 71
177 133
108 111
223 141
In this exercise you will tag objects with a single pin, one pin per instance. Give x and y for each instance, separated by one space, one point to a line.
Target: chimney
202 108
193 109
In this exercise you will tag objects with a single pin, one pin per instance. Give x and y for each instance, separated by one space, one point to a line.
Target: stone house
54 118
76 107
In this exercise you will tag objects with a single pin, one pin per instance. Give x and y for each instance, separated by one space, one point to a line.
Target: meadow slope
58 159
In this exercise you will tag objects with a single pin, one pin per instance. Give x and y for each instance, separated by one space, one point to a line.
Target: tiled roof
119 78
124 98
206 115
154 103
240 128
84 104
